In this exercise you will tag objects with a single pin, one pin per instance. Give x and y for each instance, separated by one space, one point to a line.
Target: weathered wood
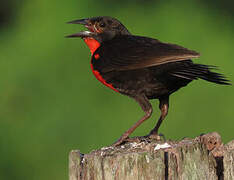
228 161
202 158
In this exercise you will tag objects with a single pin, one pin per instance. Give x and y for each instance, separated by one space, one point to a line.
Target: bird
140 67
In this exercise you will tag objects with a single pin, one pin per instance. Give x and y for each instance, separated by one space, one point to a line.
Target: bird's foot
120 141
136 139
156 136
149 138
123 140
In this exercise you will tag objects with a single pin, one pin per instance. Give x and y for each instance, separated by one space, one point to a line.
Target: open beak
81 34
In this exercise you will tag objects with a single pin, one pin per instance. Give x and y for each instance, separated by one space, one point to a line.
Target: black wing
135 52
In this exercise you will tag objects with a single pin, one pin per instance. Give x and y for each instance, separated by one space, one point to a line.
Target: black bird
140 67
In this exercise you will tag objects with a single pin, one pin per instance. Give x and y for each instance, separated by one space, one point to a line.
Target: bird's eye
102 24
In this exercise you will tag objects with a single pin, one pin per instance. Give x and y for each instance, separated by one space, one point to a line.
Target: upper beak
82 33
79 21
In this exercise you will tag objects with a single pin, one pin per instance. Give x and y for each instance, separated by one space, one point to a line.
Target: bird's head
101 28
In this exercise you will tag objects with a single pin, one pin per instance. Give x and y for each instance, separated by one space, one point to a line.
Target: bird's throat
92 44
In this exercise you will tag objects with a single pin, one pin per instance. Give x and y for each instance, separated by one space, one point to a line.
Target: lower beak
81 34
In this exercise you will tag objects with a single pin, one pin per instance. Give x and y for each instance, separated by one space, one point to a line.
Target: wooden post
202 158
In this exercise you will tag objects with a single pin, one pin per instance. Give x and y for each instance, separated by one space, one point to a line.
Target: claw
120 141
157 137
136 139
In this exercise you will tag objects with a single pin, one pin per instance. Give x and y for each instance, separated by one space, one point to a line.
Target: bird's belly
135 82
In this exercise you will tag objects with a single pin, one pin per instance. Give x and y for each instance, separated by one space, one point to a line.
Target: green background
50 103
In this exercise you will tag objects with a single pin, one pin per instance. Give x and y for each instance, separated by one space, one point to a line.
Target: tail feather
195 71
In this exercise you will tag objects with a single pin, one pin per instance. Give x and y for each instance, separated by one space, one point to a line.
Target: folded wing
135 52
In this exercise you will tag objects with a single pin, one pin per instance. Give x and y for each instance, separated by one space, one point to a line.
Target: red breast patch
100 78
93 45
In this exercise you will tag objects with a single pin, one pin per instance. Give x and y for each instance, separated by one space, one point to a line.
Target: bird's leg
147 108
163 105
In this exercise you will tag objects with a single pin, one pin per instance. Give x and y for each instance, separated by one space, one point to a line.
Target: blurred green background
50 103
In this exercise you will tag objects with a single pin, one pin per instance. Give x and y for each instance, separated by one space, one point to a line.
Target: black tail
193 71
